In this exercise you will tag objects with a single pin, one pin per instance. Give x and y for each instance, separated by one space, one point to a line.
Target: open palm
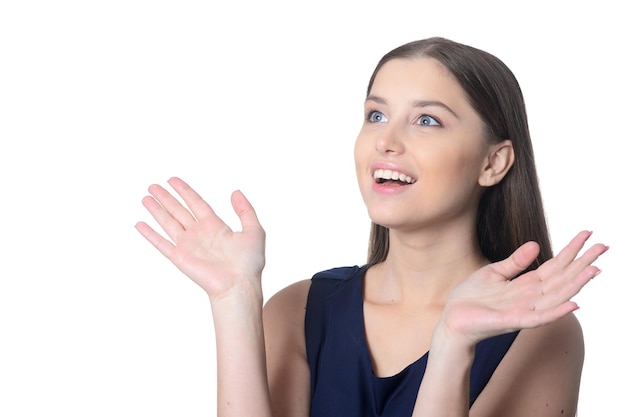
489 302
200 244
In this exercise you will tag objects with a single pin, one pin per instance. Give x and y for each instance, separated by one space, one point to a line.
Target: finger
568 283
245 211
200 208
566 266
519 260
540 317
172 206
163 245
170 225
587 258
567 254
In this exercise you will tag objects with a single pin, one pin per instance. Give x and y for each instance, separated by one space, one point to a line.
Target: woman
460 261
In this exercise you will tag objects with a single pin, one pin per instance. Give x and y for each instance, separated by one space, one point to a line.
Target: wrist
449 342
246 296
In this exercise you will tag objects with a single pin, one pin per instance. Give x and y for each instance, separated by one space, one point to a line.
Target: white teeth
388 174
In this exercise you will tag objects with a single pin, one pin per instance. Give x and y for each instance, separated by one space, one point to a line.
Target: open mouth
389 177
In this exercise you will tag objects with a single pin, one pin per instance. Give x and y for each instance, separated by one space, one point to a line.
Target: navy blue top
343 383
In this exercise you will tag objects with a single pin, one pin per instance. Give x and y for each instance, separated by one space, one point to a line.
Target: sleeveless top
343 383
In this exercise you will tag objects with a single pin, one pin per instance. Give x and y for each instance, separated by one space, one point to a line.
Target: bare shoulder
283 317
539 376
287 307
287 366
296 292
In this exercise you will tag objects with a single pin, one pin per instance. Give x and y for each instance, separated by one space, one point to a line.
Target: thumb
245 211
519 260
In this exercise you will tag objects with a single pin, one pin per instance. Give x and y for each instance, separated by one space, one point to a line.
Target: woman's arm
489 303
228 266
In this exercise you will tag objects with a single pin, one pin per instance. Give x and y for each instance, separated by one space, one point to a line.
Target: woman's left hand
489 302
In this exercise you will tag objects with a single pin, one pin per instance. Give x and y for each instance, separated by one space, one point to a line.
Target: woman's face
421 149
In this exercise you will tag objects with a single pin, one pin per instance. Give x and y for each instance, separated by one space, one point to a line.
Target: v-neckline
363 335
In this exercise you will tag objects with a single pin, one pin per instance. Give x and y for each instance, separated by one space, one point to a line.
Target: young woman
461 309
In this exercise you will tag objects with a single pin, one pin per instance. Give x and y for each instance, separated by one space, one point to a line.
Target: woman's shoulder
542 368
561 339
288 305
340 273
290 299
293 297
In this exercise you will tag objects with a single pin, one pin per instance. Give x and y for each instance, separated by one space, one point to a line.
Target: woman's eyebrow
375 99
416 103
435 103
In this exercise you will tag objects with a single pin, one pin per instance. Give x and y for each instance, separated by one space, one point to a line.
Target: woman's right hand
202 246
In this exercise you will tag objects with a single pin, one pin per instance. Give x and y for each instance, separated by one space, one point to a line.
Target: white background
100 99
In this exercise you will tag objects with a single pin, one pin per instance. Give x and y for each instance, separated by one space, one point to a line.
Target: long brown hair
510 213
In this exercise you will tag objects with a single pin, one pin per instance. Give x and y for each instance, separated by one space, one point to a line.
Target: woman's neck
422 268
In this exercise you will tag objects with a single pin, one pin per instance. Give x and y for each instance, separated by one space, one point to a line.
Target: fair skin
434 292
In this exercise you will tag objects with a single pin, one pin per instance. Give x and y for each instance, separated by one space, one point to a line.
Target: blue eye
426 120
376 117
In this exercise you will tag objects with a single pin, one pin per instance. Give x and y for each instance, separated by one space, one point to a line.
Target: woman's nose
390 140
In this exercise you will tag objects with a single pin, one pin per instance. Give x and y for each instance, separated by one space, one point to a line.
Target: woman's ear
498 162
